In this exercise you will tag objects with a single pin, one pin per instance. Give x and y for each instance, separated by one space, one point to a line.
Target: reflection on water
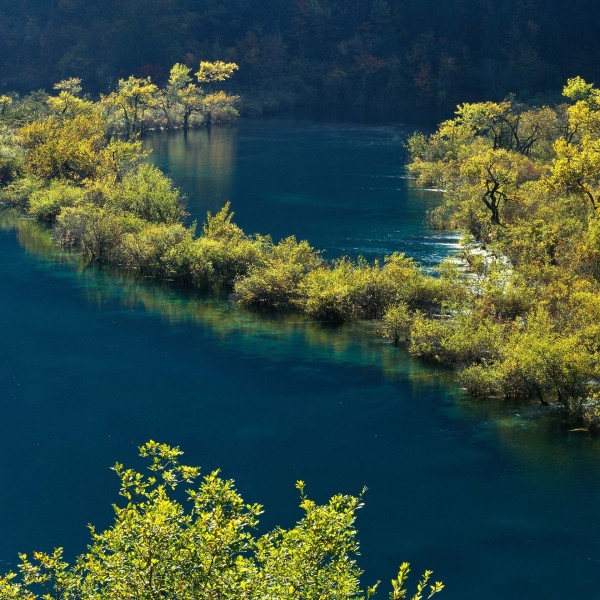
202 164
273 336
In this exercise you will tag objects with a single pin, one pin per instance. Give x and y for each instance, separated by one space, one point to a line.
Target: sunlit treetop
210 72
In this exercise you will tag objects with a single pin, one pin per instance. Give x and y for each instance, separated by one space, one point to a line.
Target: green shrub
540 362
274 281
45 204
229 260
11 157
590 412
17 193
395 324
479 381
427 337
224 253
332 293
160 250
457 340
147 193
95 232
220 227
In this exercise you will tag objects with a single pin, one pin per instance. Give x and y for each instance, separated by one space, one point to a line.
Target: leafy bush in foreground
205 548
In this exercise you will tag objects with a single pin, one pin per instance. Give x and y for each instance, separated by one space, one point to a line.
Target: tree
494 174
192 101
584 114
219 107
5 102
132 97
169 98
217 102
509 125
210 72
68 103
576 164
72 86
206 549
576 169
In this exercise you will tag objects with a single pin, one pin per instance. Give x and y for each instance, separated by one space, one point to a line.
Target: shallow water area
500 500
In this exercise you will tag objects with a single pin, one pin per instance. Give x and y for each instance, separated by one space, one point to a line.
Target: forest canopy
380 53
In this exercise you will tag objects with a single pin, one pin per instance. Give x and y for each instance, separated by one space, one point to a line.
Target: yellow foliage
64 149
210 72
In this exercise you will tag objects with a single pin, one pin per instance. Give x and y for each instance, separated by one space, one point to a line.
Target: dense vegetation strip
69 170
520 322
207 547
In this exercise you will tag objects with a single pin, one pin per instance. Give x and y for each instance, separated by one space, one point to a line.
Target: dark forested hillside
383 53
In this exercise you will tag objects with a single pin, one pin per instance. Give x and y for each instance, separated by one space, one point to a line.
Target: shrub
95 232
396 322
45 204
17 193
274 282
147 193
206 548
11 156
332 293
537 361
229 260
64 149
159 250
457 340
426 337
590 412
479 381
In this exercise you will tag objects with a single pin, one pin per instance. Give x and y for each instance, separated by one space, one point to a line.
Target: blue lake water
501 501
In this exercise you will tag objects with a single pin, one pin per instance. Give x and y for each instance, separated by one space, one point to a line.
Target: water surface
500 500
342 187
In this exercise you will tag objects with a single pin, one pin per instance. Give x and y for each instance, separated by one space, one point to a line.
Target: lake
500 500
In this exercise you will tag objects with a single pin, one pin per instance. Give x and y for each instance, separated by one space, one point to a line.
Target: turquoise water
501 501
